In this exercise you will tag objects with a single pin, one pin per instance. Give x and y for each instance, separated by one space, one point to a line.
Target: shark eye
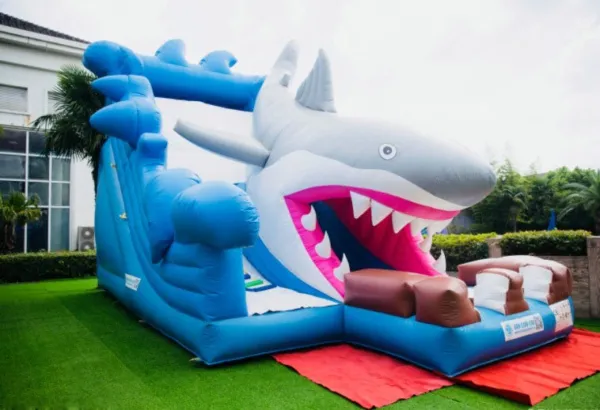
387 151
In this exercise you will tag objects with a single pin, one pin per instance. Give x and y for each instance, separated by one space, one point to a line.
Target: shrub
33 267
461 248
559 243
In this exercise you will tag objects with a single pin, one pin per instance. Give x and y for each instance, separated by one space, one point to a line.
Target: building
30 57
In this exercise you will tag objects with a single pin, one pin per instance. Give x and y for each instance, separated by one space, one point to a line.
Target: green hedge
559 243
33 267
461 248
458 249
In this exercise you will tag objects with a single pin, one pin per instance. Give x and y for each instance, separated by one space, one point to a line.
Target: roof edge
41 42
9 21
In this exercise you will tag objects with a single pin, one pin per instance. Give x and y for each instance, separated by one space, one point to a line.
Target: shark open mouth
345 228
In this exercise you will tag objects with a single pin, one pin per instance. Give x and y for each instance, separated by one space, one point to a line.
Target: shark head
337 194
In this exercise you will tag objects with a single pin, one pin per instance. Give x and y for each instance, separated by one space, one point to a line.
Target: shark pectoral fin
222 143
316 91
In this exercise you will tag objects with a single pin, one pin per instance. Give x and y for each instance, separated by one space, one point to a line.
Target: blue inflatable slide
322 243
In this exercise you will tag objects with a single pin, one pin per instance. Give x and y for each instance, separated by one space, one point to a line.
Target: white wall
36 70
83 203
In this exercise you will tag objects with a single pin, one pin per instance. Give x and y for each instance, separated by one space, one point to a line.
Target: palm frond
575 186
17 208
68 130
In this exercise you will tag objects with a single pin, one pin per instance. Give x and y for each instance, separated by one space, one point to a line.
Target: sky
513 78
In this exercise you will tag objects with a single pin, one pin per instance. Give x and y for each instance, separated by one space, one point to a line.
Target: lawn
68 344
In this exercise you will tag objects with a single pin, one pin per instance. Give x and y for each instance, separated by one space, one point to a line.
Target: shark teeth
400 220
323 248
426 244
309 221
440 263
379 212
417 226
360 204
343 269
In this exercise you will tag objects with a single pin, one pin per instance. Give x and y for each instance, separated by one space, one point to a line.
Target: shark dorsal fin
316 92
285 67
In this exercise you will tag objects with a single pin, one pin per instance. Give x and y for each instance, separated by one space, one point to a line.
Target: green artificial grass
67 344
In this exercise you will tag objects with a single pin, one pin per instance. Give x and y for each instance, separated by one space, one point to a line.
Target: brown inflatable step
560 287
381 290
444 301
513 300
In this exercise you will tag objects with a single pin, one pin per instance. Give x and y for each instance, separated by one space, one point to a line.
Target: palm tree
586 196
68 130
17 210
515 199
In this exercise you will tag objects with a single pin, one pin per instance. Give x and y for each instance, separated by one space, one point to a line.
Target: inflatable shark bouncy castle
321 244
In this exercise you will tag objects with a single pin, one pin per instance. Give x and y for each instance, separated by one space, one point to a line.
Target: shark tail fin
316 91
285 67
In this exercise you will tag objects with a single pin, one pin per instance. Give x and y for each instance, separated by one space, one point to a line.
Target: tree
68 130
514 198
586 196
542 199
503 208
526 202
16 210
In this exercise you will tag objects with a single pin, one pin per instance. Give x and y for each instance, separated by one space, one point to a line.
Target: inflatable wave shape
171 76
321 244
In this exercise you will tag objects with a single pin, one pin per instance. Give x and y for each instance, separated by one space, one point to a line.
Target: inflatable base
233 339
449 351
452 351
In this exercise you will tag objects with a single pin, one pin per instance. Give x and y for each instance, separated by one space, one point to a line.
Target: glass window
19 239
37 234
60 194
41 190
38 168
59 229
13 141
6 187
37 142
12 166
61 169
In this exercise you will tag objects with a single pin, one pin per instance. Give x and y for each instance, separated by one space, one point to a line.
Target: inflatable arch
321 244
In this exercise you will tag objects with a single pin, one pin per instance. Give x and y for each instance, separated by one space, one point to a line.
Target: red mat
375 380
367 378
534 376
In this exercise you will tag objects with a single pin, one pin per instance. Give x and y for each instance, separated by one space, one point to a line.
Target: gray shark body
304 145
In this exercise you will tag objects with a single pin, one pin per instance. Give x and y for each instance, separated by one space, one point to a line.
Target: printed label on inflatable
562 314
132 282
523 326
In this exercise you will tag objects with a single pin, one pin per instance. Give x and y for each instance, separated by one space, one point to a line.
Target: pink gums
311 195
400 251
310 239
